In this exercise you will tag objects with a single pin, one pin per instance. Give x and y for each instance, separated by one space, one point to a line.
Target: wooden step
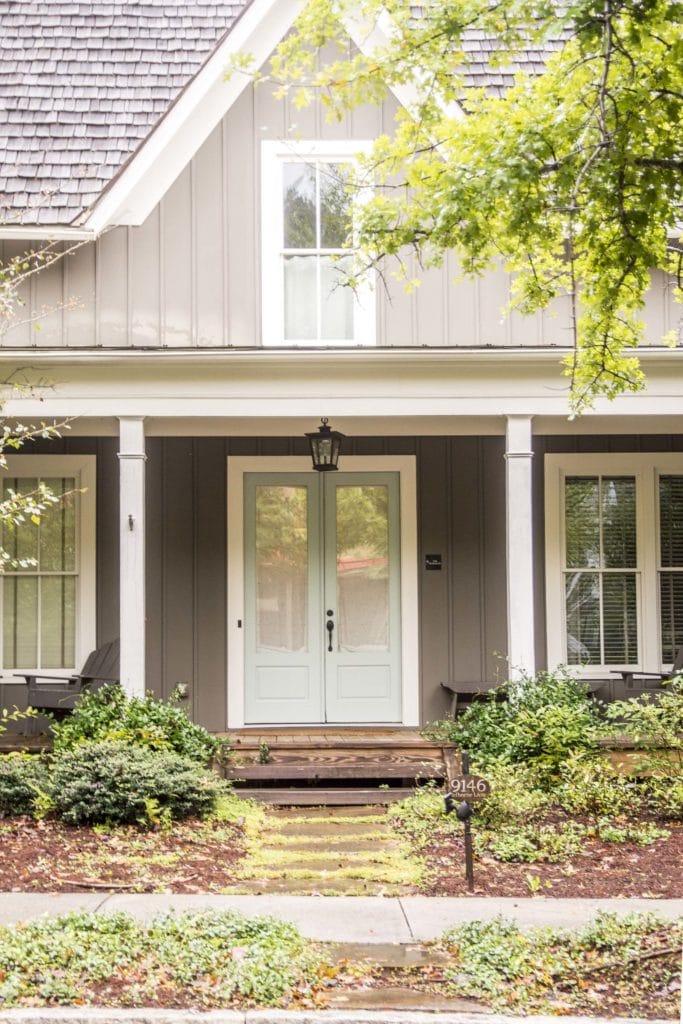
313 770
312 797
341 755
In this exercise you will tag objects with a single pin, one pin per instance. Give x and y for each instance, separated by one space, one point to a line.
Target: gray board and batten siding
461 515
190 274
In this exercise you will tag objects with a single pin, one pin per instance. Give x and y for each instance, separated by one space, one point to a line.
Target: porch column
132 460
519 546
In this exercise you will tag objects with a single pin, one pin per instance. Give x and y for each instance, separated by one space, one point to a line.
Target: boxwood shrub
24 783
116 783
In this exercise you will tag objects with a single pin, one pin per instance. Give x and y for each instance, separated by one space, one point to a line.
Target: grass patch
200 960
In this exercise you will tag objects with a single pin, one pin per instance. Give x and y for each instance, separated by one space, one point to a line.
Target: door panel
322 550
362 590
282 598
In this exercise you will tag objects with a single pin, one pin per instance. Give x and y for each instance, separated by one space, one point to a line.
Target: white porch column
132 460
519 546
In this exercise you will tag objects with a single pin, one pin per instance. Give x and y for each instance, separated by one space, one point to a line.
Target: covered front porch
174 437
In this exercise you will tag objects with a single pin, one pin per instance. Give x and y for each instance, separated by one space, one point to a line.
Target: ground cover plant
616 965
203 960
557 803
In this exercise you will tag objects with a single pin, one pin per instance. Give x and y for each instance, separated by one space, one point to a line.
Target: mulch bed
47 856
600 870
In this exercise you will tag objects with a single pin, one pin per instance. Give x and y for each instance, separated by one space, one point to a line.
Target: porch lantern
325 447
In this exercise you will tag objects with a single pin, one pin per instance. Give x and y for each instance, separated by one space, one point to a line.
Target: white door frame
405 466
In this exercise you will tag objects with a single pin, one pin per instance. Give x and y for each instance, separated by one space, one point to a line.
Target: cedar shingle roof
83 82
81 86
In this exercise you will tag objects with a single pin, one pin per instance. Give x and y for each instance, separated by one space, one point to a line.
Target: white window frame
83 469
274 155
646 468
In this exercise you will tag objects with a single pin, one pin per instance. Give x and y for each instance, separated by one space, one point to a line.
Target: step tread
324 797
384 769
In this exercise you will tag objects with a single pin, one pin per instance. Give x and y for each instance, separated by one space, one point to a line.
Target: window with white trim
47 591
614 560
307 220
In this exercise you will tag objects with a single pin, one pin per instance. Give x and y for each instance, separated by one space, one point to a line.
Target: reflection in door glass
281 568
363 568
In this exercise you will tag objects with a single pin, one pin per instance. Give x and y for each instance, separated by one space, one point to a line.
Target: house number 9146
469 787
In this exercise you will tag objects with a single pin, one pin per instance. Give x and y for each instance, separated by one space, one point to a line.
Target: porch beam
519 546
132 458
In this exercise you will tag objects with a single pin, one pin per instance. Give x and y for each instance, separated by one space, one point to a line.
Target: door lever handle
330 631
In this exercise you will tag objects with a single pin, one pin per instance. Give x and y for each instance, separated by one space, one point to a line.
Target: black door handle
330 631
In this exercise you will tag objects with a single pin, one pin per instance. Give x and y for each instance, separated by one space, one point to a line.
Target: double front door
322 602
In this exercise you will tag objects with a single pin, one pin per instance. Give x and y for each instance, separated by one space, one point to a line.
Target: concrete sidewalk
343 918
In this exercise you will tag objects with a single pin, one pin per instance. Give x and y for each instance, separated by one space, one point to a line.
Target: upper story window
614 560
48 590
307 215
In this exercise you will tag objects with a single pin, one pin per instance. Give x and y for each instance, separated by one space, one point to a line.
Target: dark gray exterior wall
460 516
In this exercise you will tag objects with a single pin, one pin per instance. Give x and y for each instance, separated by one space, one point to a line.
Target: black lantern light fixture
325 447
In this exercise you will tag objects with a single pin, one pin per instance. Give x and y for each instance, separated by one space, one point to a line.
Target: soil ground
601 870
333 850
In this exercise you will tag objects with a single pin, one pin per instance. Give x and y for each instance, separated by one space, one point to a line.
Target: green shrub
654 721
594 788
514 796
541 723
664 797
24 784
109 715
115 783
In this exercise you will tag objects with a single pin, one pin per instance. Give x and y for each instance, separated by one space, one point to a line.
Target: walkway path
343 918
328 851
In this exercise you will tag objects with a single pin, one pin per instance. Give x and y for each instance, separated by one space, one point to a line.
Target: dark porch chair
630 676
55 693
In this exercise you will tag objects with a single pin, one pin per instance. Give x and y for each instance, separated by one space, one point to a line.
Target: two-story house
470 526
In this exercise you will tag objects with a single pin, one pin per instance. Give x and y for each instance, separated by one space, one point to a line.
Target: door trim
405 466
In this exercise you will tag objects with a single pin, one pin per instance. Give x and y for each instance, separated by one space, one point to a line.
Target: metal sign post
471 787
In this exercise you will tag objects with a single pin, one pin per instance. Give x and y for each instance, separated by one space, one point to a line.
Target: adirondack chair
56 693
631 675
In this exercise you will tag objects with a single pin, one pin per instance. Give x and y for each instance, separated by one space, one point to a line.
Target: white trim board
405 465
83 468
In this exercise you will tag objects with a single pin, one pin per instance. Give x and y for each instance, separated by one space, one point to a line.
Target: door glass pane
301 298
335 206
281 566
299 206
619 618
337 299
362 520
20 621
618 496
582 522
58 530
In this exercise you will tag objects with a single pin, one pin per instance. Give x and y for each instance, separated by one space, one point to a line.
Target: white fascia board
46 233
153 169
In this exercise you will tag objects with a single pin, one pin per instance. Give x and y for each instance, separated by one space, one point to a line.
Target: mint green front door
322 602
